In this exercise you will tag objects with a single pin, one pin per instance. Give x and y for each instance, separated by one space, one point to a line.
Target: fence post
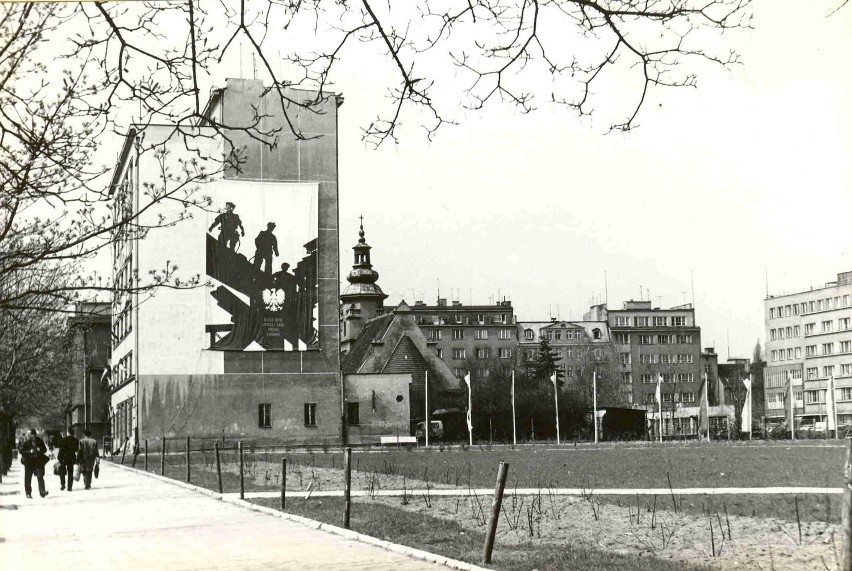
218 466
846 515
242 482
163 457
496 502
123 452
347 485
283 482
187 459
146 454
135 455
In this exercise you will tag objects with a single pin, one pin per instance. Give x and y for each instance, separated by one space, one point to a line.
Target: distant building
469 337
90 392
385 378
809 340
363 299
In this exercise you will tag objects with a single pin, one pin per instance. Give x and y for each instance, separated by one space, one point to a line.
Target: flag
745 425
703 409
659 394
830 405
469 403
553 379
788 402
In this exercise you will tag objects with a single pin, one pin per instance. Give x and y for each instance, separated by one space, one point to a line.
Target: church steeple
362 299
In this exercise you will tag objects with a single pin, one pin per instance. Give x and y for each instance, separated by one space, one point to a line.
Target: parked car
436 432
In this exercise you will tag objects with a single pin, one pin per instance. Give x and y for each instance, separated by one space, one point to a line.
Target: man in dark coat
68 447
266 243
33 457
87 457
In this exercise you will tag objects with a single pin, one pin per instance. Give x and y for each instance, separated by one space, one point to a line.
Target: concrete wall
390 415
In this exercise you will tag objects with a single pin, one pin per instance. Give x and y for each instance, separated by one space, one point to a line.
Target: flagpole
556 400
750 407
426 416
792 408
834 405
469 409
595 402
514 430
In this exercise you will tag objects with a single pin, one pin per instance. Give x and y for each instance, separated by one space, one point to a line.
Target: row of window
809 307
779 378
123 371
776 400
649 378
812 373
843 324
685 397
437 335
651 321
122 323
264 414
556 334
665 339
667 358
481 353
824 350
480 319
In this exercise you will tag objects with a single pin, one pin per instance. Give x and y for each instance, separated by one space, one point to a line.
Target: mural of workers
228 223
254 307
266 244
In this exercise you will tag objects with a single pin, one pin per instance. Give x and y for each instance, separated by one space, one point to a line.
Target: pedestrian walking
87 456
34 457
68 447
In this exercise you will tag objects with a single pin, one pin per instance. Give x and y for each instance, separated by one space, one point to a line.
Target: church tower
362 299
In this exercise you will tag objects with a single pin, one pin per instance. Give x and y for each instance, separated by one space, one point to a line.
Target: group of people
66 452
266 244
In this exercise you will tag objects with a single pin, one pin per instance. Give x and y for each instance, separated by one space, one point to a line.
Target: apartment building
809 339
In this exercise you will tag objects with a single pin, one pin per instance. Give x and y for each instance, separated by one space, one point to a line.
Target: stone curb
347 533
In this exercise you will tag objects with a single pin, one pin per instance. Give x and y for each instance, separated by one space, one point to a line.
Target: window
819 305
811 307
668 377
646 339
827 348
797 331
812 397
459 372
798 352
844 394
660 321
796 374
771 313
685 358
529 335
809 328
781 356
678 321
505 334
482 353
569 353
352 414
685 378
773 334
826 326
845 346
665 339
642 321
480 318
482 373
796 309
828 371
646 378
569 372
458 334
810 351
548 334
797 395
668 397
482 334
668 359
596 333
649 359
687 397
310 414
435 334
504 353
684 338
787 311
439 353
845 301
812 373
459 354
788 332
264 415
789 354
625 358
622 338
626 378
557 334
804 307
622 321
846 369
774 356
597 353
843 323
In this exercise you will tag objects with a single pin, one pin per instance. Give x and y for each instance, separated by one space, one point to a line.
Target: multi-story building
253 351
90 392
809 340
470 337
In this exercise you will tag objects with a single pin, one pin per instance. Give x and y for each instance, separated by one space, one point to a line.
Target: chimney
442 302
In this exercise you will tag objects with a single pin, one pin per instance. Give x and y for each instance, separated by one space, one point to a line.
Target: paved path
131 521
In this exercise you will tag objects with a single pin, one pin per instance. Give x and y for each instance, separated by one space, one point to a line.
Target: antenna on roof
606 289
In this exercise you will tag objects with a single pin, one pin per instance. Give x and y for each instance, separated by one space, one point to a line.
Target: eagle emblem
273 299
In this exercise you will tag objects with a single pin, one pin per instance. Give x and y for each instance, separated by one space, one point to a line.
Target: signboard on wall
261 249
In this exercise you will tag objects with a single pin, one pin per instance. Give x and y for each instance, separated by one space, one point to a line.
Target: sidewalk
131 521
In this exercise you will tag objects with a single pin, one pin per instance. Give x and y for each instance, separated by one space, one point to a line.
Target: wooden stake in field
163 456
347 485
496 502
556 399
426 413
187 459
242 481
283 482
218 465
146 454
846 514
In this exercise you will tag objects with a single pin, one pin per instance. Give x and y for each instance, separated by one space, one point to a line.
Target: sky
742 182
725 191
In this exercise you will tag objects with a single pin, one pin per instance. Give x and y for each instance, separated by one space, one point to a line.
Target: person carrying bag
68 447
34 458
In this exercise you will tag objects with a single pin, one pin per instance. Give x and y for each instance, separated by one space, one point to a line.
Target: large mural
262 263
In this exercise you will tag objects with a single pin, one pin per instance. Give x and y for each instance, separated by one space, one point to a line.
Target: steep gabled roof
374 330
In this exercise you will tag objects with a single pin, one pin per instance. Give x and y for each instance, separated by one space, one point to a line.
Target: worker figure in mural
266 244
228 223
